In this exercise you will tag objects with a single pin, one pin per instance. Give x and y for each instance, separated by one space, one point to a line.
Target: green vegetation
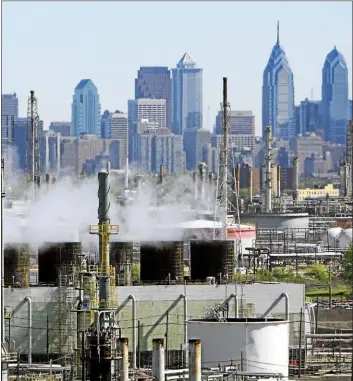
347 267
315 278
136 272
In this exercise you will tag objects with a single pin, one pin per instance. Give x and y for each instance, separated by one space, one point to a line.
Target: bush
320 272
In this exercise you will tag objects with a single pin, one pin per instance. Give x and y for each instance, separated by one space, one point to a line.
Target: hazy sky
50 46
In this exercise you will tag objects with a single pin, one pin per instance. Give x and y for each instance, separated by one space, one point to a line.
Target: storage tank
331 236
56 261
121 257
345 238
16 265
263 344
277 220
211 258
162 261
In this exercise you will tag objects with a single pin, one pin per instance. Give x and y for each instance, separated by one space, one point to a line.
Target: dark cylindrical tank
211 258
121 257
100 358
16 265
162 261
56 261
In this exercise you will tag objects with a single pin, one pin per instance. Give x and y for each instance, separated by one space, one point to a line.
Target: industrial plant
160 292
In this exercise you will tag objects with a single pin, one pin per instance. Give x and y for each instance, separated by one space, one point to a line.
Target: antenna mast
33 143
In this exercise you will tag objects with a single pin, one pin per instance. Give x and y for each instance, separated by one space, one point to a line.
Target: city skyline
115 78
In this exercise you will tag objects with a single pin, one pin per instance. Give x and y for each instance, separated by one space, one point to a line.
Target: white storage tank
262 343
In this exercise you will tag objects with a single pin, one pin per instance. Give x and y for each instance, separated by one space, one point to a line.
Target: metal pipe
210 189
158 359
124 349
134 336
185 299
236 305
284 296
29 300
237 179
329 335
194 360
161 173
224 189
268 158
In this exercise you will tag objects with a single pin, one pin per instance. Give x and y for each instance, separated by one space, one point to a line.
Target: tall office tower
196 146
186 95
63 128
119 129
241 122
309 117
9 114
152 109
278 95
86 109
155 83
335 97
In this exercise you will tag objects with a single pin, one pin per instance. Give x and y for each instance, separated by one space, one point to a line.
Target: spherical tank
263 344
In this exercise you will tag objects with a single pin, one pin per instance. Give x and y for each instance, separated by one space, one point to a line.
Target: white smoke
64 210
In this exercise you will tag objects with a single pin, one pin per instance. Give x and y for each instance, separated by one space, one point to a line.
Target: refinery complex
182 296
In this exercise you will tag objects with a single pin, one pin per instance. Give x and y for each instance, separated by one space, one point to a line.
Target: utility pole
2 254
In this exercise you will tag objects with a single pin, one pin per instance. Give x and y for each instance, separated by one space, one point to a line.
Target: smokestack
295 179
126 185
124 350
224 162
158 360
250 184
104 222
202 181
278 181
194 360
194 177
161 173
268 184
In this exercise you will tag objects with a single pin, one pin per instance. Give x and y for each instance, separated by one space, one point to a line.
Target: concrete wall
159 310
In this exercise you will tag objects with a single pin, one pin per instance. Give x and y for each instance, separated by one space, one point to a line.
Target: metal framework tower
227 196
33 142
349 157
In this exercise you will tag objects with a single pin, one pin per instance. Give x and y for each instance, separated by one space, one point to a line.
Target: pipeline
29 300
284 296
134 326
185 299
236 308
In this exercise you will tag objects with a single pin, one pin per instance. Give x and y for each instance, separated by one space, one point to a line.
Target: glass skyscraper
155 83
86 109
335 97
186 95
278 108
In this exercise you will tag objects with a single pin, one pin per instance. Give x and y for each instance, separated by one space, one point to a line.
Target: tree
320 272
347 266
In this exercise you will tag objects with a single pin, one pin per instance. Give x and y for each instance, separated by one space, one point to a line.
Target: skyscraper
309 118
335 97
9 113
278 94
186 95
155 83
86 109
152 109
119 130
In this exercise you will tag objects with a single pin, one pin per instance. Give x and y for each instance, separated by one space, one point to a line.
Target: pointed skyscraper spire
277 32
